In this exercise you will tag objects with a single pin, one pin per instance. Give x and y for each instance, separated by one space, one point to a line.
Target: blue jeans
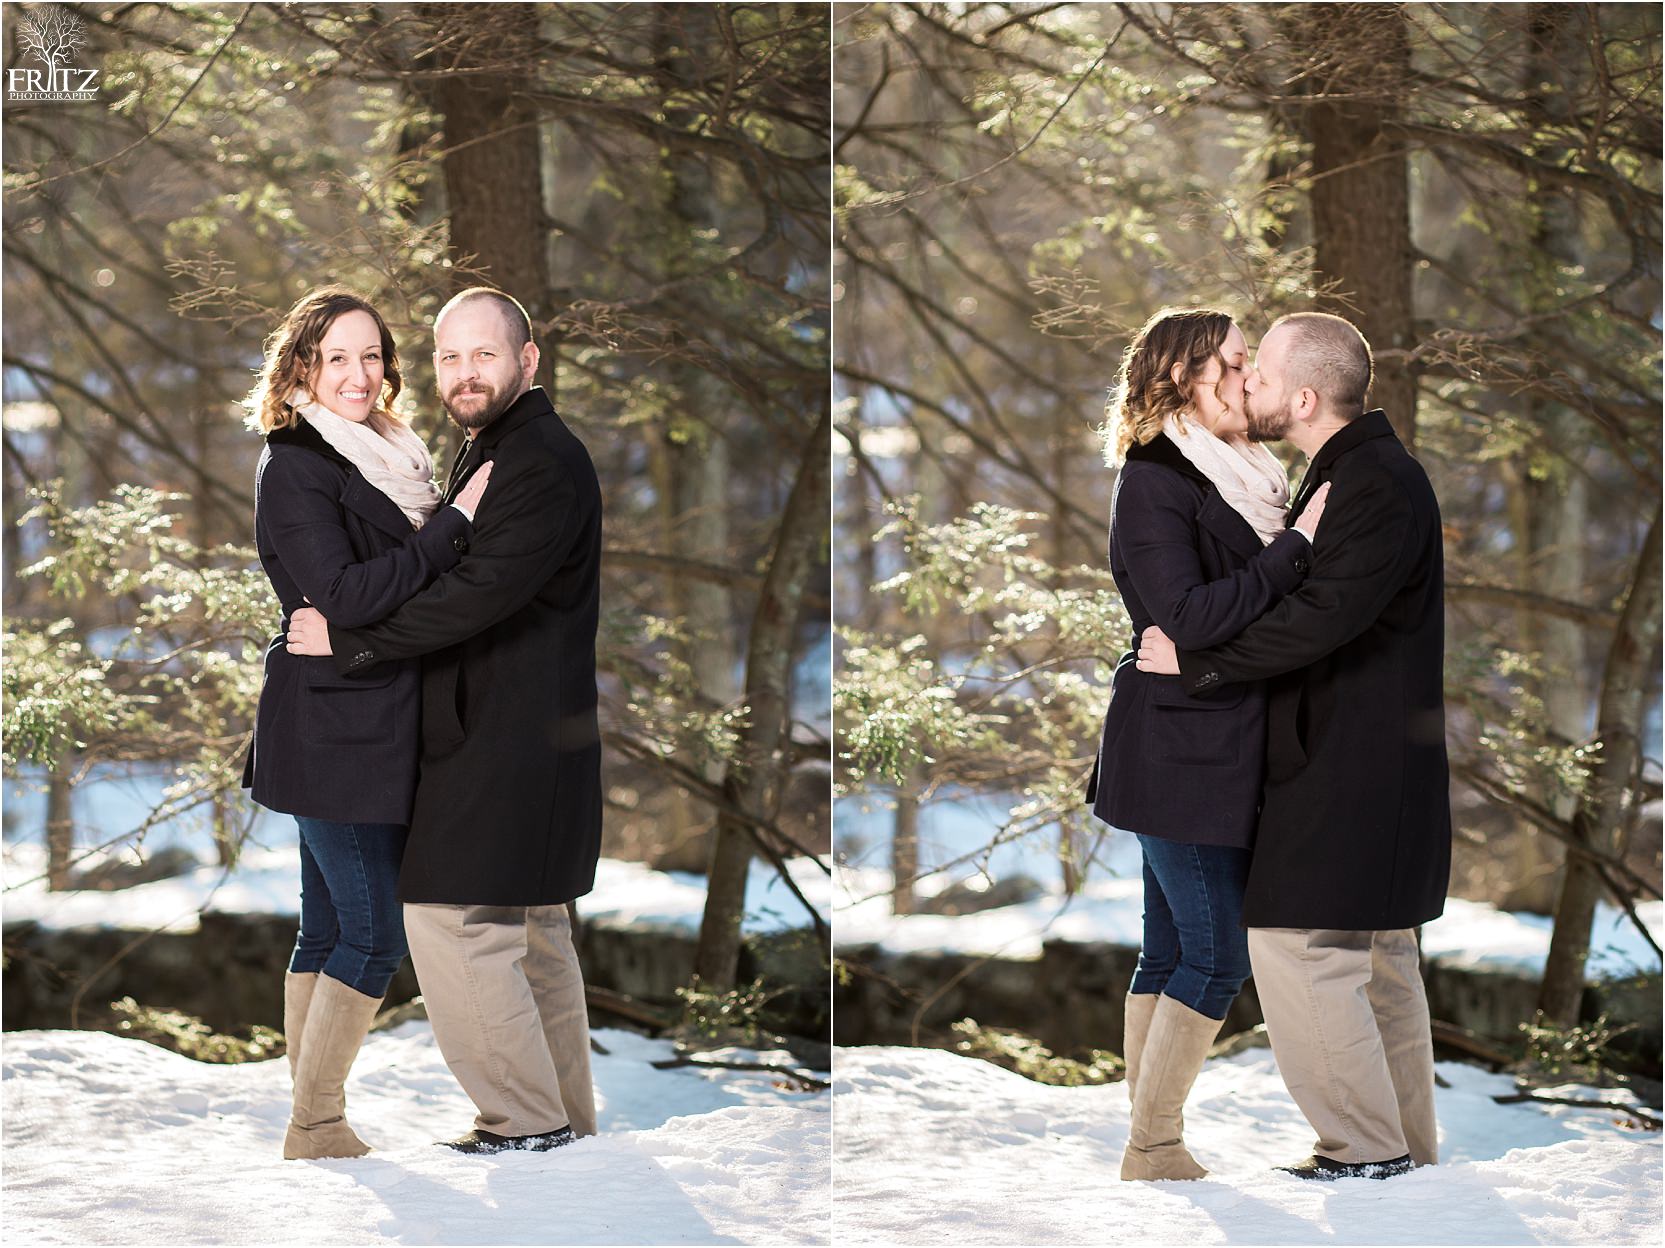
352 926
1195 949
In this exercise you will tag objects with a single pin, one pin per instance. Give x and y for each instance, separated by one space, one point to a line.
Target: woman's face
348 376
1218 394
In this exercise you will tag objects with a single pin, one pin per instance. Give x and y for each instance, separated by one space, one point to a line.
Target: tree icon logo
51 36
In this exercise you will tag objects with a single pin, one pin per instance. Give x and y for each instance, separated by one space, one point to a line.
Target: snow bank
936 1148
1469 935
109 1140
268 881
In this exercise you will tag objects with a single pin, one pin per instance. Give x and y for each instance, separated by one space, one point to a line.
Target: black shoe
487 1142
1325 1170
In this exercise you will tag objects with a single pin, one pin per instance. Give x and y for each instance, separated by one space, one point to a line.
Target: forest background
1019 187
649 180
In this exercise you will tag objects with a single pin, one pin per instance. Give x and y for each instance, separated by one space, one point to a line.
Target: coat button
364 656
1301 564
1208 678
460 545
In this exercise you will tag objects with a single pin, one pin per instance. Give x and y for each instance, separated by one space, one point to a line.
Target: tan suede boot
1174 1049
298 988
1136 1016
336 1023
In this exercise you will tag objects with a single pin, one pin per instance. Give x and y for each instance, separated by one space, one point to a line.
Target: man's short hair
514 316
1328 355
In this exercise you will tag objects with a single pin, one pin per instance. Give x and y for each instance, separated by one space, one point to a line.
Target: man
507 821
1353 847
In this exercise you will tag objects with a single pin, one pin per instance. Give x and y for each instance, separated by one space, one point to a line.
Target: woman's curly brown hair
1145 393
291 352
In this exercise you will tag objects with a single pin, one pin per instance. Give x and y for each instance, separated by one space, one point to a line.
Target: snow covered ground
1470 934
110 1140
935 1148
268 881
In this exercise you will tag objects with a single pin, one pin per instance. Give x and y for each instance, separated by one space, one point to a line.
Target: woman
347 517
1198 547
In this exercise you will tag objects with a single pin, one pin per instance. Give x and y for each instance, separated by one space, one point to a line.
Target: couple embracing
428 711
1278 742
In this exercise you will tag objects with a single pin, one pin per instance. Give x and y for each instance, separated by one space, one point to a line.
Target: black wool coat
1355 829
508 810
1170 765
326 747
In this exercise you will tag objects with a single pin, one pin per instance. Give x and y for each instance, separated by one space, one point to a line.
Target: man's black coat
1182 768
508 808
326 747
1355 831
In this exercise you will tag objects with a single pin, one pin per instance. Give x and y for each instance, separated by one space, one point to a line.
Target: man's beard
497 402
1268 425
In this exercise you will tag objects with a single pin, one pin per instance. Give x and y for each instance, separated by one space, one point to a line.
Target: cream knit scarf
1249 478
391 457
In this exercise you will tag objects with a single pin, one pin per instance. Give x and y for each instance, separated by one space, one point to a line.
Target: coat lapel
360 497
464 460
1217 516
366 500
1226 523
477 450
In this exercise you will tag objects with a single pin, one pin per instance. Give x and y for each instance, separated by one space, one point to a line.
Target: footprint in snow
190 1103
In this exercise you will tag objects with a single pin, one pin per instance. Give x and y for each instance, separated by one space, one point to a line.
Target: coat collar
1373 424
535 402
1161 450
358 495
304 435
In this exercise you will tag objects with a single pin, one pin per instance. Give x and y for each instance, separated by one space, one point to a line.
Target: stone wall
230 971
1070 999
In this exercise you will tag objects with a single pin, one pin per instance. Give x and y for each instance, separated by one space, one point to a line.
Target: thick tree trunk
1361 219
1553 508
758 768
694 513
694 437
492 157
1607 810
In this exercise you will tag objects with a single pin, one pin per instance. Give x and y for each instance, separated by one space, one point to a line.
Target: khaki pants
506 999
1348 1021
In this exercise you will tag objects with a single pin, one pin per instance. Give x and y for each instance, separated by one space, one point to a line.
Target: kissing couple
1276 741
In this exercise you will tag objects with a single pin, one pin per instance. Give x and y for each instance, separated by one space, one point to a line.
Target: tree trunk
1361 219
1554 507
492 157
693 504
681 840
226 845
694 439
758 767
904 849
1608 809
60 827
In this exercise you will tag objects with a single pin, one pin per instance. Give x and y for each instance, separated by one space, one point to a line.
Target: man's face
480 373
1266 398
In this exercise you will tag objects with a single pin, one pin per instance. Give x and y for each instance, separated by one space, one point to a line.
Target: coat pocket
1197 732
1286 730
348 710
442 708
321 674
